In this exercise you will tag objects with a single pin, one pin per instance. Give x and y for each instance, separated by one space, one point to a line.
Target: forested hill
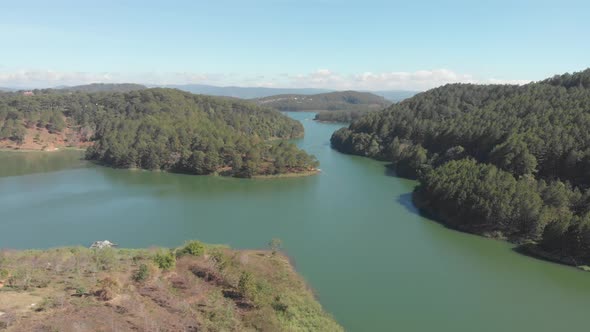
332 101
161 129
497 159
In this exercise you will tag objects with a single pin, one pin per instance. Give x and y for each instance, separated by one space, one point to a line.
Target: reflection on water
202 186
21 163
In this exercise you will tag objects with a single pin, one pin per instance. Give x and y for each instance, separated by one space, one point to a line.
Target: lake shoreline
217 173
288 175
532 250
522 247
331 122
304 173
68 148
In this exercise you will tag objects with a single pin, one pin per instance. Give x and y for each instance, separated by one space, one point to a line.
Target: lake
351 231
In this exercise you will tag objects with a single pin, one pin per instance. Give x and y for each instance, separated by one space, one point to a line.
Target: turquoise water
352 232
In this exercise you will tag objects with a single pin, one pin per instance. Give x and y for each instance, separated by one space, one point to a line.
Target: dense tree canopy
511 159
164 129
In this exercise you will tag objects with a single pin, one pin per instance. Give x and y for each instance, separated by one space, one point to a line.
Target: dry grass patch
208 288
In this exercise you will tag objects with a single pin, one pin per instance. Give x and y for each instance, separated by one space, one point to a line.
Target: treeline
507 160
165 129
331 101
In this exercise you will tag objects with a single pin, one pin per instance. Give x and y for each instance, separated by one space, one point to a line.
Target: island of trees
343 106
158 129
196 287
499 160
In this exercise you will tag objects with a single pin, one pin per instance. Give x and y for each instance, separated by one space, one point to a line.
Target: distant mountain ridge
104 87
241 92
395 95
262 92
331 101
223 91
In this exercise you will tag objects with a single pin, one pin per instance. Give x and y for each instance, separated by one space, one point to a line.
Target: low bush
142 274
193 248
4 273
165 260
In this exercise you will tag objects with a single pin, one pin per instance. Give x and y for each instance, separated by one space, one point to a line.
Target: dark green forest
501 160
163 129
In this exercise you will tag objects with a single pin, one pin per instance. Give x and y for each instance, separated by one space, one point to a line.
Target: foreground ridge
194 288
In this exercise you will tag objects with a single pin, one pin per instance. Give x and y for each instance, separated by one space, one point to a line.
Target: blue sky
324 43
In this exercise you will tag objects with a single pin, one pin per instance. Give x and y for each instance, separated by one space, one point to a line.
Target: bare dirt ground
78 289
40 139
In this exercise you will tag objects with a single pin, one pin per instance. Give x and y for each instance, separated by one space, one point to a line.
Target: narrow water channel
352 232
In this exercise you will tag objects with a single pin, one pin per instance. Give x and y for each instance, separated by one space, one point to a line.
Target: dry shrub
25 278
7 320
180 282
208 274
263 319
108 288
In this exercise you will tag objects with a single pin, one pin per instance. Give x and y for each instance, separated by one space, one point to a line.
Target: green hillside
162 129
502 160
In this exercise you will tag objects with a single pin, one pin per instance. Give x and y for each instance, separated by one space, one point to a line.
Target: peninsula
196 287
156 129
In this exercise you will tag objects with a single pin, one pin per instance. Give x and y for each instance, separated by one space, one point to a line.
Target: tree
193 248
275 245
246 285
165 260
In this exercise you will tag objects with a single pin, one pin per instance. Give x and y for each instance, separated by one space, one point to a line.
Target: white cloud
418 80
51 78
322 78
43 78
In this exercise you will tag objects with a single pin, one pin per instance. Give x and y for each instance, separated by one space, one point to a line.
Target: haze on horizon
327 44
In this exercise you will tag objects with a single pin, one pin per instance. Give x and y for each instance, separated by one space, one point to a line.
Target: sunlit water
352 232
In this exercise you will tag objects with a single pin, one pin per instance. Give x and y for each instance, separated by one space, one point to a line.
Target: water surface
352 231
